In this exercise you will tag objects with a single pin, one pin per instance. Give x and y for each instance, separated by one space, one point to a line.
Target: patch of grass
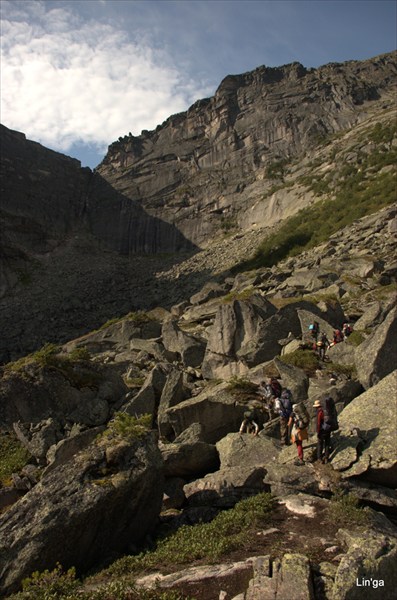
348 370
78 354
13 456
344 509
357 193
57 584
209 541
127 427
138 317
356 338
303 359
72 366
238 295
134 382
241 385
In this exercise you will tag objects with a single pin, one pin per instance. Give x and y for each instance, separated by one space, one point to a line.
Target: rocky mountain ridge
194 370
69 237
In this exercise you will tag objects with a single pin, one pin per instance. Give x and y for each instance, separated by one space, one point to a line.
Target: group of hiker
294 419
320 341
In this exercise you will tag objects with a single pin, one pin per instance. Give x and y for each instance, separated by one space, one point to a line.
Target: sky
77 75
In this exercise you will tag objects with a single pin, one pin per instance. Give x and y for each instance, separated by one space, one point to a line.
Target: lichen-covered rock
226 487
289 577
376 356
368 423
215 408
182 460
242 449
369 558
191 349
85 512
81 392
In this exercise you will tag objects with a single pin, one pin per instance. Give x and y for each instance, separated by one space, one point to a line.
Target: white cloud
65 81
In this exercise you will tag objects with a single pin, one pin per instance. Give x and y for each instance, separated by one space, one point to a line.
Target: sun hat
317 404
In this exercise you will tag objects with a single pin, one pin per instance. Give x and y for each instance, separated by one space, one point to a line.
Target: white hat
317 404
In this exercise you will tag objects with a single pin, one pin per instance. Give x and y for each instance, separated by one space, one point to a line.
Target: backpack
302 416
276 387
286 403
330 415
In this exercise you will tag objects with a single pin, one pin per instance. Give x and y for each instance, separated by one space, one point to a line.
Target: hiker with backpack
326 422
314 329
283 406
346 330
248 424
299 422
322 346
269 390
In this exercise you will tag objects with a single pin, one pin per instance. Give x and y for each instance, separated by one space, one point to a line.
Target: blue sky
76 75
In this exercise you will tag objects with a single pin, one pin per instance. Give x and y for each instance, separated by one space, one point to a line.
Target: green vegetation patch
139 318
359 192
356 338
348 370
209 541
127 427
238 295
304 359
13 457
59 584
75 366
345 510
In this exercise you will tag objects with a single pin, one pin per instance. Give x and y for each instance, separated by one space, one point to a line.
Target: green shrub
348 370
356 338
344 509
304 359
241 384
79 354
49 585
209 541
125 426
13 456
357 193
238 295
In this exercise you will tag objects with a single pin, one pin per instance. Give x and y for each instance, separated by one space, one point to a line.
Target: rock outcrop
106 498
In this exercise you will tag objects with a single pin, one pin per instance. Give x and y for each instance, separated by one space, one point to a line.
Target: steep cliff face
47 197
79 247
204 168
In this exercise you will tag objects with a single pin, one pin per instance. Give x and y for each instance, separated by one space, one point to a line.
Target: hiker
338 337
248 424
299 421
347 329
283 406
314 329
270 390
322 346
326 422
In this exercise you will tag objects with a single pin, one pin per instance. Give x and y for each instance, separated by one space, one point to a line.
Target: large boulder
190 348
242 449
226 487
369 558
307 317
294 379
376 356
215 408
146 401
187 460
80 392
173 392
234 332
108 497
116 337
369 422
